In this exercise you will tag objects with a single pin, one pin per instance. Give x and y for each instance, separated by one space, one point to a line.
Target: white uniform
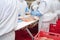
21 5
8 19
49 15
58 8
42 9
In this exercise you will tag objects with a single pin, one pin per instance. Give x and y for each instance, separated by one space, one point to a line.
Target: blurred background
29 2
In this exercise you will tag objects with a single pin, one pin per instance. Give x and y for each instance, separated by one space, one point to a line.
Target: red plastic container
52 28
51 35
55 27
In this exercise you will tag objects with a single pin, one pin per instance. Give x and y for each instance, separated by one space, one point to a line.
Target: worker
46 8
22 7
49 15
34 8
8 19
40 7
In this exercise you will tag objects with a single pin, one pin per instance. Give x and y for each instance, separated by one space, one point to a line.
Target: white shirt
49 10
8 16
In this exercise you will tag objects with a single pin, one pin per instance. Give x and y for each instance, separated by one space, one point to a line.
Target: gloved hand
36 13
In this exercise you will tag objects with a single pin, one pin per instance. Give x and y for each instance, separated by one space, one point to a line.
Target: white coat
49 15
22 7
8 19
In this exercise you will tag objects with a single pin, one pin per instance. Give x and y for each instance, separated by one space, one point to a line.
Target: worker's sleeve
44 7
